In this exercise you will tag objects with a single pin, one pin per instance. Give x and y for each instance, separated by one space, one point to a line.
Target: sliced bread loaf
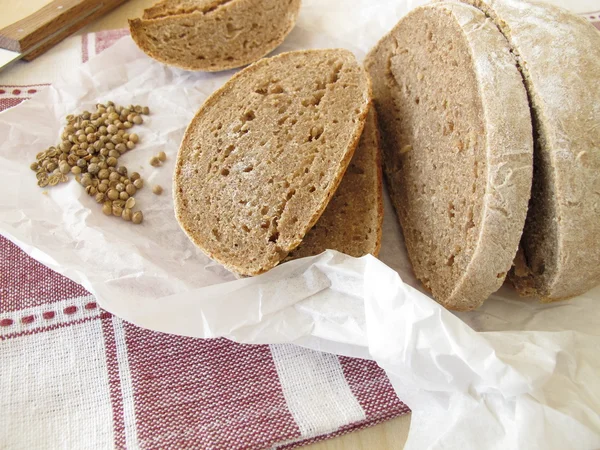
264 154
457 147
352 221
212 35
559 56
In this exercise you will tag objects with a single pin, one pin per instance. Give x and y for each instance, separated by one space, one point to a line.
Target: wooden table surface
390 435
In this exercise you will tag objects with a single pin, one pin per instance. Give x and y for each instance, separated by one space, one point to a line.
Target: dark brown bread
265 153
457 147
352 221
212 35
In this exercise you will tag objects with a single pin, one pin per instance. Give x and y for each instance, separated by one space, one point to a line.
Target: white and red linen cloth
74 376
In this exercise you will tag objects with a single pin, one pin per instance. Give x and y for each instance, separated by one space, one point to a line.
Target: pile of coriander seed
90 149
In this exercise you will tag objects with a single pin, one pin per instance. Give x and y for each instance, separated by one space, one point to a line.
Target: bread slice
457 147
559 57
213 35
352 221
262 157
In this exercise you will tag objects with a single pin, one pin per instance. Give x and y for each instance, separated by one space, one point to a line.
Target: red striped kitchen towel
74 376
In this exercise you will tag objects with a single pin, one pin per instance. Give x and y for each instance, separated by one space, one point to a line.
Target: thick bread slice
212 35
352 221
265 153
559 56
457 147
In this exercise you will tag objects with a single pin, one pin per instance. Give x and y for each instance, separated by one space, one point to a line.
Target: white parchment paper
514 374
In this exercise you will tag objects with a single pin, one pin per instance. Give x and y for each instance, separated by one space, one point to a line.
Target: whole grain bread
213 35
352 221
457 147
559 56
265 153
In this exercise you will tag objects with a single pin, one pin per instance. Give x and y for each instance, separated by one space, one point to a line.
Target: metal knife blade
7 57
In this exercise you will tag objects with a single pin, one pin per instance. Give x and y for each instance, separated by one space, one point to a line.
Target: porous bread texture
265 153
457 147
559 56
213 35
352 221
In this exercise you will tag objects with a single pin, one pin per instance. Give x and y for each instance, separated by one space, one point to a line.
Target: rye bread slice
352 221
264 154
457 150
559 56
213 35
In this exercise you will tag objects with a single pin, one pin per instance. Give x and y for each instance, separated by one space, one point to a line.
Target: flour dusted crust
213 35
559 56
457 147
265 153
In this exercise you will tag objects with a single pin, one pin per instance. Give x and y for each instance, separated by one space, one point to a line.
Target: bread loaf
262 157
352 221
559 56
457 150
212 35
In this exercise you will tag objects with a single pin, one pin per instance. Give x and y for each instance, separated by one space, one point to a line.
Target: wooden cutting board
48 23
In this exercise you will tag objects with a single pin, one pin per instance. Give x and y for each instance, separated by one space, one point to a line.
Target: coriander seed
107 208
157 189
112 194
34 166
102 187
130 203
130 189
138 120
126 214
145 110
93 169
117 210
120 187
154 161
75 170
123 195
134 176
114 176
137 217
100 197
111 161
139 183
162 156
86 180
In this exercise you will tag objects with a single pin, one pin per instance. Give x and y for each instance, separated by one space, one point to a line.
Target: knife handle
43 29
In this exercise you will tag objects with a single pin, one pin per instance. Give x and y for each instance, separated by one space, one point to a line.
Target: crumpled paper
513 374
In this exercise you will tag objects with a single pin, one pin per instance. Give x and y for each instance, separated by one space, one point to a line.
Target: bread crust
509 148
272 254
558 54
216 35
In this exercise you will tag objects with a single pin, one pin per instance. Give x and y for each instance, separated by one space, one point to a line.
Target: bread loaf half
457 147
352 221
262 157
559 56
212 35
